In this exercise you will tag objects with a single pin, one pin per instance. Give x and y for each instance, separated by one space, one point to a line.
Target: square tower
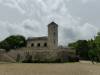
52 35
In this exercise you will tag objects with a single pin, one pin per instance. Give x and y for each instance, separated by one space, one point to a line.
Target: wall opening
54 33
32 45
45 44
54 41
38 45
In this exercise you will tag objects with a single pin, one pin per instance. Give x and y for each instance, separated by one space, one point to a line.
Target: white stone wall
35 44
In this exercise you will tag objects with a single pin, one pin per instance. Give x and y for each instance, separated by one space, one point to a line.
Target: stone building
41 48
49 42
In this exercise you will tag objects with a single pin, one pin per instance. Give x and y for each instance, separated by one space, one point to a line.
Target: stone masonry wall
42 55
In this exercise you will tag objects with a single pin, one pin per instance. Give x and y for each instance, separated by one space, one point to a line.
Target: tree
92 55
88 49
13 42
97 40
72 45
82 48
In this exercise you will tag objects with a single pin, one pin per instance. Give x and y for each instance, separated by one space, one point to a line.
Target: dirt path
50 69
85 62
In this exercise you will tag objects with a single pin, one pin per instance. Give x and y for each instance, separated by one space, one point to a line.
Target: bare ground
50 69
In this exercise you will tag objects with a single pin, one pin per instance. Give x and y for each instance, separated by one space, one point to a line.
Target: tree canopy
13 42
88 49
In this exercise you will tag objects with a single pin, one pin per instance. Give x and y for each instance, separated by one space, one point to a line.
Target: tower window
45 44
38 45
54 33
54 41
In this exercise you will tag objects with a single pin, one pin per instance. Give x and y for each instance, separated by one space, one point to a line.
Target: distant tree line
88 49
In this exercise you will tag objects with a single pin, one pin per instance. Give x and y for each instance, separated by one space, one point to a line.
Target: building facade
49 42
44 49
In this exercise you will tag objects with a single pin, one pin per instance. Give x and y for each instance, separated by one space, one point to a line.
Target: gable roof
52 24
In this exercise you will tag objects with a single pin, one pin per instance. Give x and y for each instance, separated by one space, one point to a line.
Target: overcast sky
77 19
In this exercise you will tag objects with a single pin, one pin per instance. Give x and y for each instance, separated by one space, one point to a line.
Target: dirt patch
50 69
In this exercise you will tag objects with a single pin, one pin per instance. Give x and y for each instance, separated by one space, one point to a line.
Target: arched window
38 45
32 45
45 44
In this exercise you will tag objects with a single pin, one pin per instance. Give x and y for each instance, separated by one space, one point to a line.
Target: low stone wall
42 54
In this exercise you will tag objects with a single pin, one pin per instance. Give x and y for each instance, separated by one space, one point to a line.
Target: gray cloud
77 19
89 11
